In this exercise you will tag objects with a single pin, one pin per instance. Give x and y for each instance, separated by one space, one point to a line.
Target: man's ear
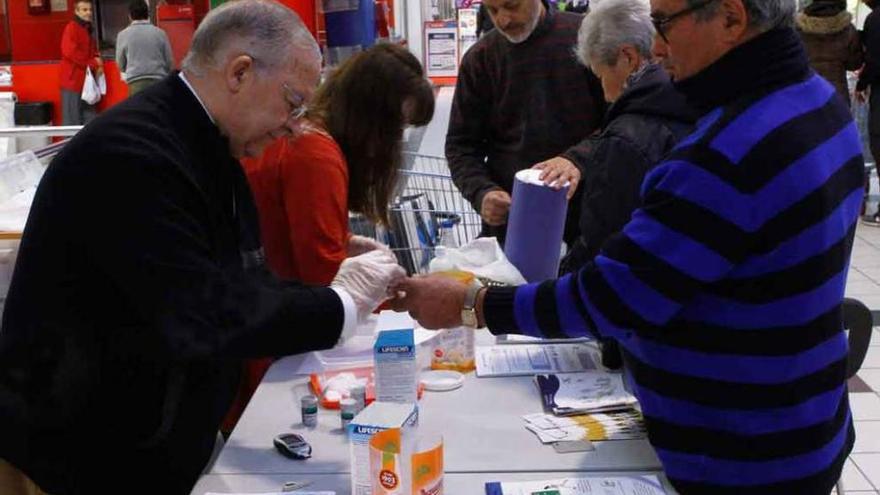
238 72
734 21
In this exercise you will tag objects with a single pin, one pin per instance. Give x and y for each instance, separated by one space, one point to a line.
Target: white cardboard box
378 416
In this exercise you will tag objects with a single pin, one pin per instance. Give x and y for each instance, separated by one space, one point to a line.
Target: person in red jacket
345 159
78 51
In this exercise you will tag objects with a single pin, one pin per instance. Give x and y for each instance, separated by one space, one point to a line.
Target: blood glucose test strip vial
309 407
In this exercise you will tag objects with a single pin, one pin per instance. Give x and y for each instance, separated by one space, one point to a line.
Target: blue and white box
396 371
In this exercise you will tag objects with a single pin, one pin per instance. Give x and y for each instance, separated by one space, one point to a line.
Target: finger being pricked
411 297
397 301
406 293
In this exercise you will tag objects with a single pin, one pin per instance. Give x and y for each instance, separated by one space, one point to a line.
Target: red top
300 186
78 51
301 189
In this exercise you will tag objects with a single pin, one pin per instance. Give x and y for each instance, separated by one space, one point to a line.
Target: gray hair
764 15
612 24
263 29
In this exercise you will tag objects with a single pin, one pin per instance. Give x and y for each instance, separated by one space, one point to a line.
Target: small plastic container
318 380
359 395
309 408
442 380
453 348
347 411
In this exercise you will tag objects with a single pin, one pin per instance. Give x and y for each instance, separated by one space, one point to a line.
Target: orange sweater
300 186
301 189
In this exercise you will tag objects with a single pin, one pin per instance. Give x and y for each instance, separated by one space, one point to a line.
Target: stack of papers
626 425
568 394
622 485
532 359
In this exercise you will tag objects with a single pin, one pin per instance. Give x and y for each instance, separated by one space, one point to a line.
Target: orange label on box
427 471
388 469
385 462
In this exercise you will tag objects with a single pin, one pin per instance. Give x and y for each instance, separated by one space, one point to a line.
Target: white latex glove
358 244
367 277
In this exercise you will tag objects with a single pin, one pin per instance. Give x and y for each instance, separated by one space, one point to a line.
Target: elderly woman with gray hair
645 120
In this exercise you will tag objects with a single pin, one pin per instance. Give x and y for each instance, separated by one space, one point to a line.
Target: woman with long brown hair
345 159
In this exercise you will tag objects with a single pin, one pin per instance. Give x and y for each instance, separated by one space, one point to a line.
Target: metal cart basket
427 212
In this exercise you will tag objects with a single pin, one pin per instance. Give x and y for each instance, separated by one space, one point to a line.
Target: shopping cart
427 213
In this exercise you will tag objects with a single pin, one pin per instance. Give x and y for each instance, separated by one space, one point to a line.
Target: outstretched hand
435 301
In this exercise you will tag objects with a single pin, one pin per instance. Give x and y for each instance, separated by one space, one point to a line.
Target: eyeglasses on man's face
296 102
662 22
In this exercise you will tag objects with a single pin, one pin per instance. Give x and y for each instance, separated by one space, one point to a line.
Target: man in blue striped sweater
725 288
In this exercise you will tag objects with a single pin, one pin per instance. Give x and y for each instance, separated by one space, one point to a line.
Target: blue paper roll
535 226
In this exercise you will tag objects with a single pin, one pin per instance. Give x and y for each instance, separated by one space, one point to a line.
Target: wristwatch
469 311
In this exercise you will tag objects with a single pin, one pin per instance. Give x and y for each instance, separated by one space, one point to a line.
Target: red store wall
36 50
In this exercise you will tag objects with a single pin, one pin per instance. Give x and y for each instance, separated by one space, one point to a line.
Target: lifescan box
396 372
378 416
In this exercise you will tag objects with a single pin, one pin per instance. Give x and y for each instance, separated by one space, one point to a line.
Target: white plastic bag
483 257
91 92
102 83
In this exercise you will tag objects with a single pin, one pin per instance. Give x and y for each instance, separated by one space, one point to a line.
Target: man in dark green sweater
521 99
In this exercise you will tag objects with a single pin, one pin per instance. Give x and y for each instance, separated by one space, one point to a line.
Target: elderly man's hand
435 301
358 244
495 207
367 278
557 171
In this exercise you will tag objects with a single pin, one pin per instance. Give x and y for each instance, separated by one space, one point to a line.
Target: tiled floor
862 471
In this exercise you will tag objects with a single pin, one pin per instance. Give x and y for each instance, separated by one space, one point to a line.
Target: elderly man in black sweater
140 284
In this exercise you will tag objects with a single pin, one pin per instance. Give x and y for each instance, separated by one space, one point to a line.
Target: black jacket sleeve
467 137
160 250
871 41
611 192
855 54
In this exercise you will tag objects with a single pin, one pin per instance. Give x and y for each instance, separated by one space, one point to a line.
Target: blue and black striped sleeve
690 231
